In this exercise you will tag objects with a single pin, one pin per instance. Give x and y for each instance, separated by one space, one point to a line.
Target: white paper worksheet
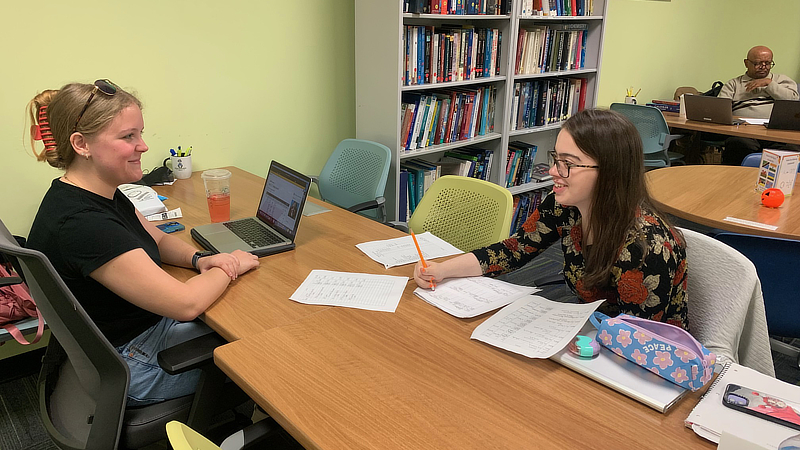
535 326
400 251
352 290
473 296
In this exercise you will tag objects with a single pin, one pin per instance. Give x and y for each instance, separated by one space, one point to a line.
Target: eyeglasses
104 86
769 64
563 166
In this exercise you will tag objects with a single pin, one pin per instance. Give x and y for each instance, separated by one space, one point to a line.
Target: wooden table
749 131
339 378
350 379
258 300
707 194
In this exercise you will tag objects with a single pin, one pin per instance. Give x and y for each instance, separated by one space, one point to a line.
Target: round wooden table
707 194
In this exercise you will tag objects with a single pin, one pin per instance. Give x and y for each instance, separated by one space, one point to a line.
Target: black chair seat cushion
138 429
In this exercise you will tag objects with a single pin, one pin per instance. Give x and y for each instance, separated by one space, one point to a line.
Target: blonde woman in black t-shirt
107 253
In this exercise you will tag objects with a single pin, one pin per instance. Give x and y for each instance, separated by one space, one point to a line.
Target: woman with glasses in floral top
617 245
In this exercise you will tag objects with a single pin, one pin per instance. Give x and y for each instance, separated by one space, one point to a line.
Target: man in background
753 95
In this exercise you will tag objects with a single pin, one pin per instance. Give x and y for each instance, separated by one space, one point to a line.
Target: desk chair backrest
88 413
182 437
726 309
775 261
356 173
466 212
652 129
754 160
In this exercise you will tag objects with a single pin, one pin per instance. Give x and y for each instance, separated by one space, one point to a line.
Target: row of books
446 116
478 7
546 101
524 205
450 53
551 48
417 175
557 8
520 166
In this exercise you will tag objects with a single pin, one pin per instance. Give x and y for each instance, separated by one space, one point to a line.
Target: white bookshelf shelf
449 146
451 84
528 187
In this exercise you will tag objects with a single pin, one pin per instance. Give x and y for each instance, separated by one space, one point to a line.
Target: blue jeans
149 383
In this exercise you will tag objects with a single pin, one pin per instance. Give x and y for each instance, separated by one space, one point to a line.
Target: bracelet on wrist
196 257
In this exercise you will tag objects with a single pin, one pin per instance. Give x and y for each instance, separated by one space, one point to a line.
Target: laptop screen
283 199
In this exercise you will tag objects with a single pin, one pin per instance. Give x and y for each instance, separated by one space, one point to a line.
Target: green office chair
654 132
466 212
183 437
355 176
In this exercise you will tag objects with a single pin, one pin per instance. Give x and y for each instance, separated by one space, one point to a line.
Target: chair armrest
191 354
8 281
371 204
402 226
666 139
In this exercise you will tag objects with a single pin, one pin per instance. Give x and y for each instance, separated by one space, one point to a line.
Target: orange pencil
422 259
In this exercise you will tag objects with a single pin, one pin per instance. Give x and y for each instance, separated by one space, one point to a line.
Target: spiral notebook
710 418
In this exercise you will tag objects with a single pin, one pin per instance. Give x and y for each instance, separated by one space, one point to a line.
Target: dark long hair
613 141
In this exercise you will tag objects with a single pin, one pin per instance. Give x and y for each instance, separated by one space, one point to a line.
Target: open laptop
274 227
785 115
710 109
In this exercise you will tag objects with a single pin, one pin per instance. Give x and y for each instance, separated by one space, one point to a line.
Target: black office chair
83 383
775 260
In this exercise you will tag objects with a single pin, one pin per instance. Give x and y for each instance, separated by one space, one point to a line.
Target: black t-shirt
79 231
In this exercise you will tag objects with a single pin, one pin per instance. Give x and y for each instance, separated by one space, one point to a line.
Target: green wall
241 81
661 45
244 82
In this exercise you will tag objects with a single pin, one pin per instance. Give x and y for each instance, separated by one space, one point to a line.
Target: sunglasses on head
104 86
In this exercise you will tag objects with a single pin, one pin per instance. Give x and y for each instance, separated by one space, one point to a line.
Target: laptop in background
274 227
710 109
622 375
785 115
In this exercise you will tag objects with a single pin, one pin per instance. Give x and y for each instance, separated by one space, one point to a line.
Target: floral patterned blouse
650 284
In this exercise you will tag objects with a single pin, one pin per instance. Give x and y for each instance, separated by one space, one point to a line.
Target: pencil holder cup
182 166
630 100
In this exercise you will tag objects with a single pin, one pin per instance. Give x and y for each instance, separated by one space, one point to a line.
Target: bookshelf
380 57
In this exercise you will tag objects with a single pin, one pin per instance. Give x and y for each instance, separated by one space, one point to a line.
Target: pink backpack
15 304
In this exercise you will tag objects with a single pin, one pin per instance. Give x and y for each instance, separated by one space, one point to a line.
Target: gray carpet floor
21 429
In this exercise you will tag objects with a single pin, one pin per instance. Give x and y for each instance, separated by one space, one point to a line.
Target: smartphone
763 405
171 227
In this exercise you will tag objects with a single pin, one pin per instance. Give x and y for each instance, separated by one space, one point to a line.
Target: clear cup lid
216 174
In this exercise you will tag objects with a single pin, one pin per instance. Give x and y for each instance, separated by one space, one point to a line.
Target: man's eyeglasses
769 64
563 166
104 86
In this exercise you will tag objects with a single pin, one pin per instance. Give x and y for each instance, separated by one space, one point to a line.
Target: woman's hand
466 265
432 273
233 264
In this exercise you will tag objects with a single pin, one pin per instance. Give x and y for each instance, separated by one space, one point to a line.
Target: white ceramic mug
182 167
630 100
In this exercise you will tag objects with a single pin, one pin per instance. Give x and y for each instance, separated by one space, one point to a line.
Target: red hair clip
43 132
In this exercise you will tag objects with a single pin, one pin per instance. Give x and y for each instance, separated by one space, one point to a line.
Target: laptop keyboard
251 232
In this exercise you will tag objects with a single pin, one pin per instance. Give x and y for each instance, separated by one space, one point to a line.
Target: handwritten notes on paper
400 251
352 290
473 296
535 326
